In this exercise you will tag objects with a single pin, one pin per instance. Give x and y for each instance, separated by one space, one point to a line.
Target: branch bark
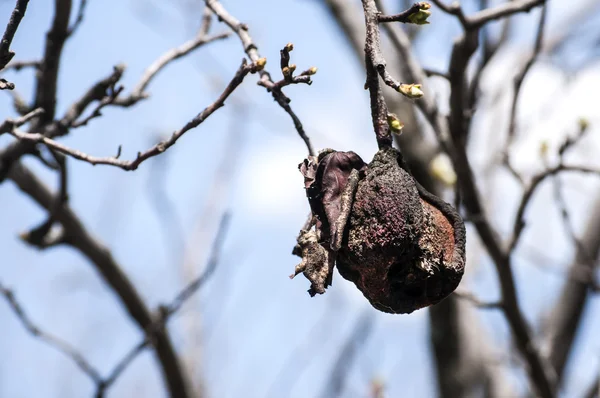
11 28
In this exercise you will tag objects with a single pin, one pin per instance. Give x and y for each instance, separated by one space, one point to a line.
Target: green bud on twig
411 90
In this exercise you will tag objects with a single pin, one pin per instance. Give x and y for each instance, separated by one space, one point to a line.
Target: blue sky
259 326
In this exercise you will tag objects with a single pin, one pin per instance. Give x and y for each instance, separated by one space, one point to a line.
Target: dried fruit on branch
403 247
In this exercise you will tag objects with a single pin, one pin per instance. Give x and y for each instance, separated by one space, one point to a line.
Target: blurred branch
594 389
484 16
471 298
540 371
40 236
95 93
18 65
504 10
241 30
166 311
566 315
79 238
79 18
47 78
157 149
519 223
302 355
139 91
518 82
9 33
489 50
357 338
54 342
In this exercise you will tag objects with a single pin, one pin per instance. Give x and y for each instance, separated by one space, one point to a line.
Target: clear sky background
263 336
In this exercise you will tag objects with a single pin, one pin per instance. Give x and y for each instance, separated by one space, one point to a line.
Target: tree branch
167 311
9 33
47 78
241 30
139 91
157 149
520 78
98 92
79 238
55 342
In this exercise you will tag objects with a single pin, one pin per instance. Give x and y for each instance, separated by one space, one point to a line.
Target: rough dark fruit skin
403 247
402 250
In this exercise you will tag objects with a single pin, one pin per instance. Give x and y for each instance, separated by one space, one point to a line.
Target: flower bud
411 90
260 63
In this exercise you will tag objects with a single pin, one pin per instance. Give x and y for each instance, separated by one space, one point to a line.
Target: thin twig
101 258
79 18
503 10
139 91
350 349
53 341
18 65
470 297
519 223
9 124
167 311
404 16
482 17
241 30
157 149
518 82
97 92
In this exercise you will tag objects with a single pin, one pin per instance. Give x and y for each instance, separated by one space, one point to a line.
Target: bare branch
431 72
453 9
139 91
565 317
519 223
167 311
482 17
361 332
47 78
157 149
504 10
518 83
470 297
95 93
53 341
40 236
79 18
9 124
407 16
9 33
566 314
100 256
594 389
241 30
18 65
